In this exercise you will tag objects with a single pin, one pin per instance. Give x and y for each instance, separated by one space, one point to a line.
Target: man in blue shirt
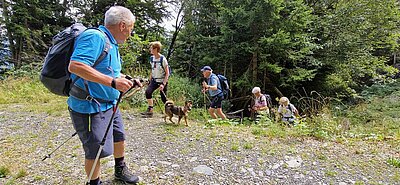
104 82
214 89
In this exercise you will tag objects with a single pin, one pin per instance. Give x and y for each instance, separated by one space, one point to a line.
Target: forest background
321 54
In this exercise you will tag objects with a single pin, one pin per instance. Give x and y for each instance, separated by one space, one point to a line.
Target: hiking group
91 78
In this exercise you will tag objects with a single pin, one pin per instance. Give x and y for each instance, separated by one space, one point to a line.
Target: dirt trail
167 154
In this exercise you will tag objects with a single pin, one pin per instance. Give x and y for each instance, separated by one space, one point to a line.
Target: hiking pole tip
45 157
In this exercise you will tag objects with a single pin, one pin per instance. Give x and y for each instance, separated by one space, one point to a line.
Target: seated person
260 107
260 102
287 110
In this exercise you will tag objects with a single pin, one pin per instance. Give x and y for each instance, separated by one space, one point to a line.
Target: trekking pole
164 95
49 155
127 95
105 134
159 106
204 98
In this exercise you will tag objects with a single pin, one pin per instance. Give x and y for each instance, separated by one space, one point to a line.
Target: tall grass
31 93
180 89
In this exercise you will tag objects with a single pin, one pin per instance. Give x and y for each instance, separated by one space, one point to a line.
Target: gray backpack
55 75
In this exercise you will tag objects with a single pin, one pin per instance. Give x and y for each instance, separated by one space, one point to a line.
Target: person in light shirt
287 110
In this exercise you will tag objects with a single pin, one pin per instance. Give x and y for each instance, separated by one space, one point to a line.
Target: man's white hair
116 14
256 90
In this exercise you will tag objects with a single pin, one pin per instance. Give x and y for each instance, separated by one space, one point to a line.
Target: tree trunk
13 46
64 10
254 66
178 27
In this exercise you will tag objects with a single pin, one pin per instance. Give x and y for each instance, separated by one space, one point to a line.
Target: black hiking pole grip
49 155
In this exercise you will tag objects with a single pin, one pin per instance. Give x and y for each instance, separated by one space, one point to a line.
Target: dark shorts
91 129
216 101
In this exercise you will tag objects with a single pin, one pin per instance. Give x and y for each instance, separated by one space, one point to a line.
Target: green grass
235 147
394 162
248 146
21 173
32 94
4 171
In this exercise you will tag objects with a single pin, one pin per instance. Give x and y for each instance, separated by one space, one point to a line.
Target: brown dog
171 109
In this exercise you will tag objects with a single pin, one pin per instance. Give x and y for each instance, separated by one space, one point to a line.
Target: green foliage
394 162
30 91
133 53
248 146
21 173
381 89
4 171
181 89
31 25
235 147
258 131
335 47
31 70
358 38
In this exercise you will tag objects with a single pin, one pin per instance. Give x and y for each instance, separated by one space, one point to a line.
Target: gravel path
168 154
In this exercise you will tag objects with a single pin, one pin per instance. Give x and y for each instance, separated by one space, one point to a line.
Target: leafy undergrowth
376 118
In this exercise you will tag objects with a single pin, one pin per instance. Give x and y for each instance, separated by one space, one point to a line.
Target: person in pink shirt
260 107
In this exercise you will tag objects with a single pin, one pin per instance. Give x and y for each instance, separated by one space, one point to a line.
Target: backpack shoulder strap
219 85
106 49
263 95
290 108
103 54
161 62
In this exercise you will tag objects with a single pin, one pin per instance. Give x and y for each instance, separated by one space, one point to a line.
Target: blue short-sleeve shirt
88 47
212 80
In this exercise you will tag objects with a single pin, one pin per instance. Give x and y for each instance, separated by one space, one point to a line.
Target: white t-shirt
286 112
158 71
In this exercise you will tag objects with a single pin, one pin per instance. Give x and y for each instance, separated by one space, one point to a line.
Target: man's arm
214 84
90 74
295 111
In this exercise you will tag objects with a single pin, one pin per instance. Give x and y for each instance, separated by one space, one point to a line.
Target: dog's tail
169 103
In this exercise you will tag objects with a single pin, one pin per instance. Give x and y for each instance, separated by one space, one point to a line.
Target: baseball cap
206 68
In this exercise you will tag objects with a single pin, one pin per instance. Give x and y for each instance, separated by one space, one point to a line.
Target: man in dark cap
214 89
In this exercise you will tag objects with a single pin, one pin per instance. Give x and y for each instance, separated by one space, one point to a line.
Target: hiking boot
99 183
148 113
122 173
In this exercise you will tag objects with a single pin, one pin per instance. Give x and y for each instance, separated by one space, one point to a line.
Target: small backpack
161 60
269 100
225 86
55 75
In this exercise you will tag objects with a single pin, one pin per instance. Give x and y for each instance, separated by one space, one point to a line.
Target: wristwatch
113 85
